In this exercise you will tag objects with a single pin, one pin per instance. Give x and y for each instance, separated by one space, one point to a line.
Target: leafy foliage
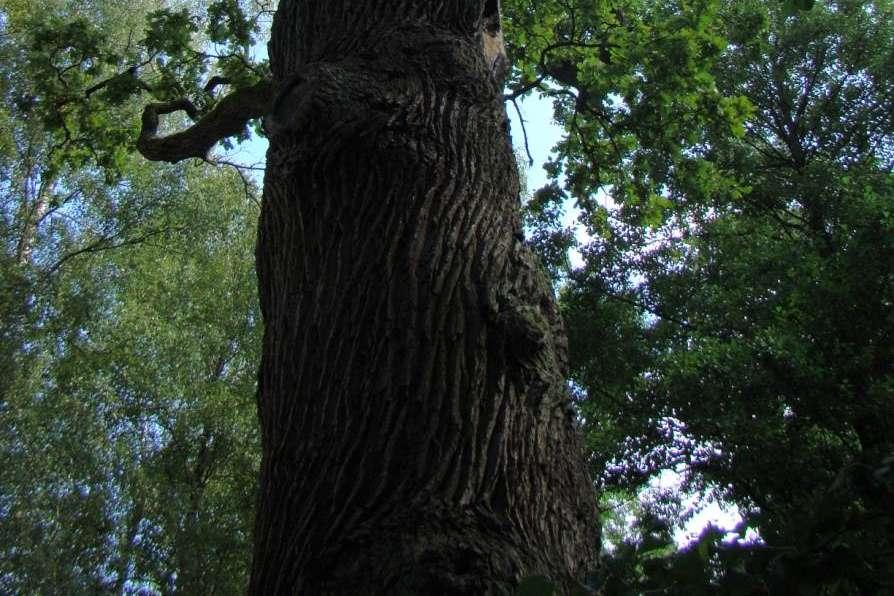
128 444
128 441
731 161
87 85
129 326
732 164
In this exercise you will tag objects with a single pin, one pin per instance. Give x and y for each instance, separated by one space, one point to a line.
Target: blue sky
543 134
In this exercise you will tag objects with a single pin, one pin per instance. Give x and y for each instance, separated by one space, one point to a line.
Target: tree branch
521 120
227 119
105 243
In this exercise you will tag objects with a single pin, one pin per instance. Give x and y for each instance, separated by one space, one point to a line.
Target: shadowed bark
416 430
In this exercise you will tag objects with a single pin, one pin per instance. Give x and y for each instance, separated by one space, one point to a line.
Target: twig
521 120
248 185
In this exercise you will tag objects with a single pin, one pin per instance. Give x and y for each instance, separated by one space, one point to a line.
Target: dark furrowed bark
415 425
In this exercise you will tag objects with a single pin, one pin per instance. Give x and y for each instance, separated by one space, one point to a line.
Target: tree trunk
416 430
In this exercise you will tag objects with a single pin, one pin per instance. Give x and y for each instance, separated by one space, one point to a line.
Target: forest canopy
730 162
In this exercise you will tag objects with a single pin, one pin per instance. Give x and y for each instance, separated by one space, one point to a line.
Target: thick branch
227 119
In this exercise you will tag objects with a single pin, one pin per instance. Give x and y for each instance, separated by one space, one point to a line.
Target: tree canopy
731 164
733 318
128 445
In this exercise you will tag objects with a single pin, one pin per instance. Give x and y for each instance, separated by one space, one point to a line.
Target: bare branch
521 120
105 243
249 185
129 73
214 82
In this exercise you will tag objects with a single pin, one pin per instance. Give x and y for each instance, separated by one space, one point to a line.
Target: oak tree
416 431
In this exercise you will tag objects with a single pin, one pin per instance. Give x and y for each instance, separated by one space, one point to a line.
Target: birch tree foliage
129 441
129 444
129 325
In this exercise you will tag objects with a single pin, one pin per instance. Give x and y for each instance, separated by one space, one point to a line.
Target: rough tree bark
415 425
417 436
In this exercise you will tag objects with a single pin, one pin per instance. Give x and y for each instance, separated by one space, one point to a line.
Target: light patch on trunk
492 41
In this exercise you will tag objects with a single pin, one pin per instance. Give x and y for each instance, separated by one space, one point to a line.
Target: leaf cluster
732 165
87 83
129 340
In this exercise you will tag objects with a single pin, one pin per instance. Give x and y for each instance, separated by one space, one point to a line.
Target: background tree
729 321
123 396
129 443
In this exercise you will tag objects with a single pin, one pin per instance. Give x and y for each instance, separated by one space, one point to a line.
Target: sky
543 134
